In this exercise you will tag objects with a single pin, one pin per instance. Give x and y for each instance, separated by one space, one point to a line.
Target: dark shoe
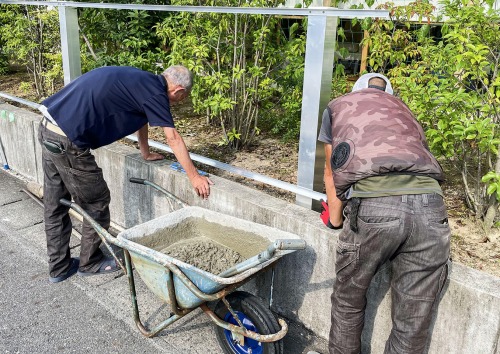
73 268
108 265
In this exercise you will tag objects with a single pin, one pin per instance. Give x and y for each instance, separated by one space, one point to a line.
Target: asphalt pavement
84 314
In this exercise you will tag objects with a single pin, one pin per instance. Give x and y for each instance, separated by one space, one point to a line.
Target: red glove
325 214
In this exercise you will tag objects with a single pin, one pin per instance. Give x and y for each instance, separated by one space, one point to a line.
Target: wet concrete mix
204 254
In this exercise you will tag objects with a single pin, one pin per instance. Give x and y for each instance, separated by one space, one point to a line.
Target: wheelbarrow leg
145 331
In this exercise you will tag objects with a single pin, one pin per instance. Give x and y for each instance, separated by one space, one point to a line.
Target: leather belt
52 127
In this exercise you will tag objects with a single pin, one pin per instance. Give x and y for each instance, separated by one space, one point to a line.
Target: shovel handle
158 188
137 180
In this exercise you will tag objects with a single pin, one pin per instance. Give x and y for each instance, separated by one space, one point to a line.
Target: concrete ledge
19 140
468 320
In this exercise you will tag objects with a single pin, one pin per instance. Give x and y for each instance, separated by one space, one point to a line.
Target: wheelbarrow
244 324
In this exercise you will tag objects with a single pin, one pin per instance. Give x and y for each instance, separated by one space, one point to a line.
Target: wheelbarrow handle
290 245
66 202
106 236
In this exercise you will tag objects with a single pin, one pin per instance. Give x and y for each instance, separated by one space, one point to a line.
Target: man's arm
142 136
201 184
334 203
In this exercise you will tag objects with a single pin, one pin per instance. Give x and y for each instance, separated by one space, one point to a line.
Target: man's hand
153 156
202 186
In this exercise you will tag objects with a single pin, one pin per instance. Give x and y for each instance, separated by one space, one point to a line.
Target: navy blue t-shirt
109 103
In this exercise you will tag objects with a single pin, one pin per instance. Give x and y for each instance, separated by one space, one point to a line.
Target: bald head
377 82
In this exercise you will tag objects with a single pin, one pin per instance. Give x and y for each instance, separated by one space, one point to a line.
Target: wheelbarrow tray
157 269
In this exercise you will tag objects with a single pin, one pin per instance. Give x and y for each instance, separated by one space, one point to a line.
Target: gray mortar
204 253
206 245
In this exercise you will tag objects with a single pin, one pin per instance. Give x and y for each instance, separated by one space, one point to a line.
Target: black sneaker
75 262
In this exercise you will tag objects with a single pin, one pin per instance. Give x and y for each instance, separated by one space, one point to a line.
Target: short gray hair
179 75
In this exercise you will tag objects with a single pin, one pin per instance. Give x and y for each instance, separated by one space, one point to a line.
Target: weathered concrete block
468 320
130 205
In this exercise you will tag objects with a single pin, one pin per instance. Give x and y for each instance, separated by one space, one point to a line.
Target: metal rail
19 100
242 172
312 11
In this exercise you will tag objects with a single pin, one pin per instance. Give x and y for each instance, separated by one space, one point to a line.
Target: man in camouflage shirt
379 167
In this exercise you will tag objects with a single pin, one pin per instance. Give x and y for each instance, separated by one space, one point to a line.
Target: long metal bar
308 193
158 188
313 11
19 100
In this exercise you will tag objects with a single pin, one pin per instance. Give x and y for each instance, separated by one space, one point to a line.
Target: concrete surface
468 320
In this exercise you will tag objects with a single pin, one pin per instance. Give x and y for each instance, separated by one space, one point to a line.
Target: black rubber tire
260 315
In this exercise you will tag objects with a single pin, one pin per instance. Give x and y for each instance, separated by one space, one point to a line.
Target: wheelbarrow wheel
255 316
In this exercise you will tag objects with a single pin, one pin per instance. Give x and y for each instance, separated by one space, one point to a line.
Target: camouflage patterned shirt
374 134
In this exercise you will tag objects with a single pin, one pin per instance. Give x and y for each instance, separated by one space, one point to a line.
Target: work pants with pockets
410 231
73 173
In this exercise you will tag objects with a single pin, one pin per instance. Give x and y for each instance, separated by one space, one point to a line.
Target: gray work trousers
73 173
412 232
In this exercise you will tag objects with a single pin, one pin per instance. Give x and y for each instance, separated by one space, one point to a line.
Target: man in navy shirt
98 108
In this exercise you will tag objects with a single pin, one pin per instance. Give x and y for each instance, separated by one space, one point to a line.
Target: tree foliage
30 36
245 65
4 59
121 37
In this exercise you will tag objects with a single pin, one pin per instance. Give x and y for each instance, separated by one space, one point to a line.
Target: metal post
320 47
70 43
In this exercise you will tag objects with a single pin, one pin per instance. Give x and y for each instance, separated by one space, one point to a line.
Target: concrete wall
468 320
